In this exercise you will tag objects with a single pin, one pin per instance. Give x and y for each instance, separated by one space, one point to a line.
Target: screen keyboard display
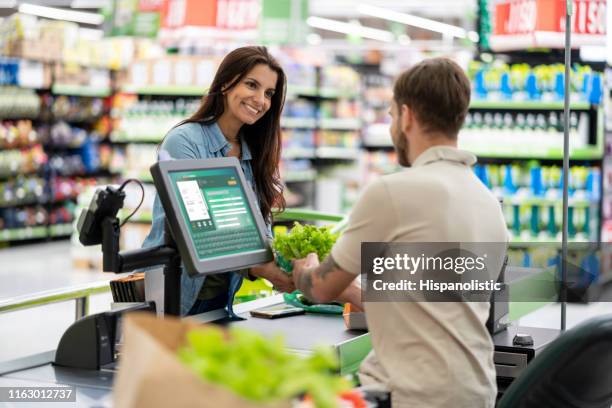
216 212
211 243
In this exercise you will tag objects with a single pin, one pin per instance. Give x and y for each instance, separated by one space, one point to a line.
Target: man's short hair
438 92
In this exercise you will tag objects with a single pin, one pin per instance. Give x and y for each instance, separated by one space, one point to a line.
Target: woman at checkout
239 117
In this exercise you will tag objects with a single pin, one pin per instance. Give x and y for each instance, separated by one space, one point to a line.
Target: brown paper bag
151 376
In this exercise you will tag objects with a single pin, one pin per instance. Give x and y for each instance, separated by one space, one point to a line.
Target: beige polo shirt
429 354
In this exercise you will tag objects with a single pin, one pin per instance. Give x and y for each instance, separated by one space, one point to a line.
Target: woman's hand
270 271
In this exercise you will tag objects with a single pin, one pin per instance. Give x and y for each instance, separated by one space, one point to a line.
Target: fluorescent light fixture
93 4
61 14
414 21
347 28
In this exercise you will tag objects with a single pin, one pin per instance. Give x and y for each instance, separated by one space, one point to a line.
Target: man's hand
270 271
320 282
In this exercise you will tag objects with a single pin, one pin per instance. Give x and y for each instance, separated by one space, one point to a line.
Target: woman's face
251 98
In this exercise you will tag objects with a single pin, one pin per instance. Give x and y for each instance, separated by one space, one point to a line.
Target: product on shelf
339 79
77 109
23 190
193 72
26 36
24 161
496 131
17 135
148 120
532 199
18 103
520 82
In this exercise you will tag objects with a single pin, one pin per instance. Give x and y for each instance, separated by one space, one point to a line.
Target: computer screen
215 206
212 214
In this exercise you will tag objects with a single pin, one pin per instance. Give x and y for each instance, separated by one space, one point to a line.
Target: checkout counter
189 191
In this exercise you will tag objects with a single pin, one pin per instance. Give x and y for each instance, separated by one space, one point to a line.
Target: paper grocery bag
151 376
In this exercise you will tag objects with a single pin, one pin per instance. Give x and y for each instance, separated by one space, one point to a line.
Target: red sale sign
221 14
520 24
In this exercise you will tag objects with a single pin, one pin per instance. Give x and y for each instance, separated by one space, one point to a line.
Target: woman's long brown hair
264 136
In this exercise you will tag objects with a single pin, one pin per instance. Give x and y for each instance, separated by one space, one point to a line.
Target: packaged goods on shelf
532 199
24 73
23 190
148 120
66 76
171 71
520 82
499 131
29 37
18 134
18 103
334 138
339 80
298 143
77 109
24 161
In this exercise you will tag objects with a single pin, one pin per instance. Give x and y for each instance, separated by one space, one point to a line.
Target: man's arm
320 282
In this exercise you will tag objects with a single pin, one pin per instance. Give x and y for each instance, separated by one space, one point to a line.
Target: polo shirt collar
446 153
218 142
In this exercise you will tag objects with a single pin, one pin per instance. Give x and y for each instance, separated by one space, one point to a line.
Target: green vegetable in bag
302 240
261 369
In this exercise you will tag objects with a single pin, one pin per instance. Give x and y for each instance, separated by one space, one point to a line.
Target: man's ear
406 118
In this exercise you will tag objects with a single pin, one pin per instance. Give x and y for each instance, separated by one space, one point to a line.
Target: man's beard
402 148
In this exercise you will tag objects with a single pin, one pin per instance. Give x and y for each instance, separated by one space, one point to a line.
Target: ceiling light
413 21
347 28
313 39
62 14
93 4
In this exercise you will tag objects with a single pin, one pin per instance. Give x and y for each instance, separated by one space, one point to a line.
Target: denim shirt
197 141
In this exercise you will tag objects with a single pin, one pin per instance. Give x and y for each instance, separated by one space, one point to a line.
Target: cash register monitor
212 214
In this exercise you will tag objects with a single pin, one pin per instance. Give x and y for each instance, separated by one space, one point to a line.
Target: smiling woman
240 117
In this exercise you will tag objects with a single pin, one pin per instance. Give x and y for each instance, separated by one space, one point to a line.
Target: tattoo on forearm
306 284
326 267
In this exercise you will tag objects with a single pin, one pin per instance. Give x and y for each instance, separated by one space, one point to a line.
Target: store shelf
298 123
341 123
61 230
79 90
533 152
337 93
300 176
166 90
547 202
299 153
303 90
547 242
533 104
120 137
19 234
342 153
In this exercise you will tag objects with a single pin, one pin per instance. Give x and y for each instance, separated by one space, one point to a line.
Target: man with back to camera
428 354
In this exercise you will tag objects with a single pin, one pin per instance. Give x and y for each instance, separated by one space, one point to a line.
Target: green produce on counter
302 240
261 369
